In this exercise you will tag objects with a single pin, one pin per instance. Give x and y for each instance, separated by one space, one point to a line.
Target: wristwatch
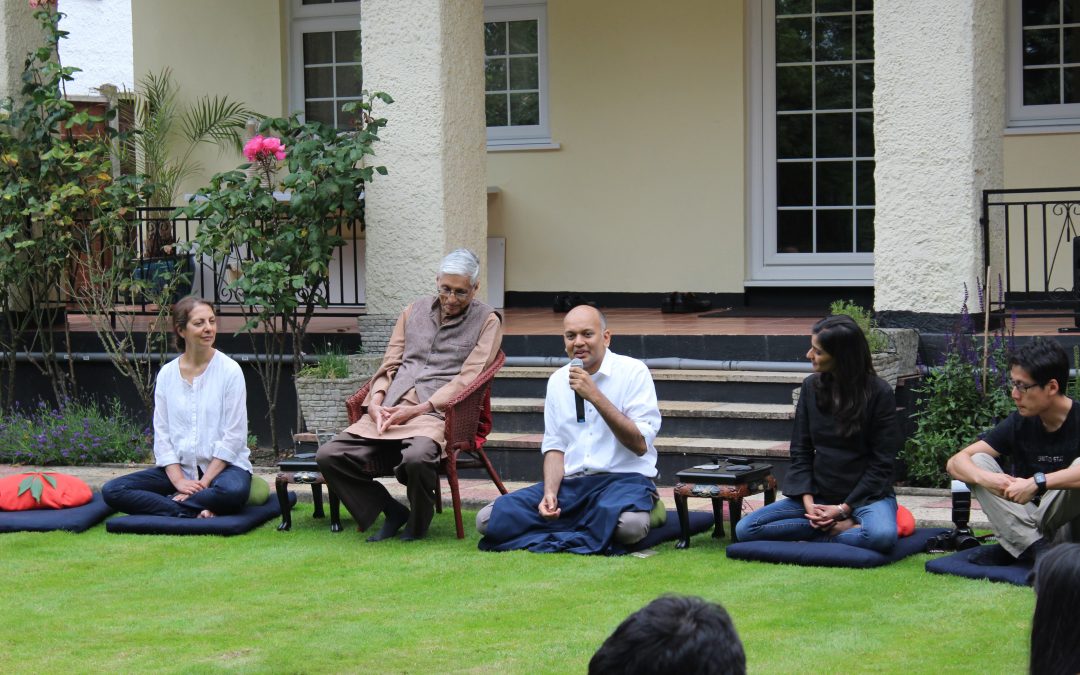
1040 483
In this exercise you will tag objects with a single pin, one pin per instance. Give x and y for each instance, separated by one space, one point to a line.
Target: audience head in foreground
1055 633
673 634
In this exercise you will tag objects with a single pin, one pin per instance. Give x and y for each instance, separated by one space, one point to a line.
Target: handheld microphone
579 402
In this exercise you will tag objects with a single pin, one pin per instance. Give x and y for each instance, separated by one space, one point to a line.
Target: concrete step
680 418
676 385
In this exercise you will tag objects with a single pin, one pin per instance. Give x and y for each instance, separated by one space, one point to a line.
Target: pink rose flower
38 4
262 149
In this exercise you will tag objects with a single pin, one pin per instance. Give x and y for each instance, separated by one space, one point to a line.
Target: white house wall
99 43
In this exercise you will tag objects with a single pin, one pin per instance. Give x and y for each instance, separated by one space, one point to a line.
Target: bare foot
842 526
206 513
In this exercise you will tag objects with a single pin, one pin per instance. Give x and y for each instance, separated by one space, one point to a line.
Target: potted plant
322 387
882 348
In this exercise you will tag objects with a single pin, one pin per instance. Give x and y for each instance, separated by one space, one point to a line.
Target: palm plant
168 131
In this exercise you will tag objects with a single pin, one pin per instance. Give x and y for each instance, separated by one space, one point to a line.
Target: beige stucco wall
647 191
235 48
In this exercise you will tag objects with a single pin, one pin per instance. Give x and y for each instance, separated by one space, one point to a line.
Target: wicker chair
468 422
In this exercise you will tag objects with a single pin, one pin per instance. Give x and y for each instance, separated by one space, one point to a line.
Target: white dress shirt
205 419
591 447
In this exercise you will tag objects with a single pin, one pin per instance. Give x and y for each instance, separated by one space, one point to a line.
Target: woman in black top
839 485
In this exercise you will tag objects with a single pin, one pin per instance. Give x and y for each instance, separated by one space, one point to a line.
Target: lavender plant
965 395
75 433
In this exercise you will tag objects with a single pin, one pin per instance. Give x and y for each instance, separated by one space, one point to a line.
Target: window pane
834 135
833 38
1040 12
795 232
1072 45
1041 87
864 230
349 81
833 6
319 82
1070 11
495 38
793 7
794 89
834 232
793 136
318 48
833 87
496 108
864 134
794 182
320 111
524 73
1072 85
793 40
524 109
864 183
834 184
523 37
495 75
864 36
864 85
1041 47
347 46
864 5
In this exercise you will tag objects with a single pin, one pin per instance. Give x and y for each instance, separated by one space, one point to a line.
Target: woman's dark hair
181 314
1055 633
844 390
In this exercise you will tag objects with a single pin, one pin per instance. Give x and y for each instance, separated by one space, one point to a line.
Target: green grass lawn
312 601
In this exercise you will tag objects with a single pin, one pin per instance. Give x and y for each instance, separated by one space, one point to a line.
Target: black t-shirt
1031 447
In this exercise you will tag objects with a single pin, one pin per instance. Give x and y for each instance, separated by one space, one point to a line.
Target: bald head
586 336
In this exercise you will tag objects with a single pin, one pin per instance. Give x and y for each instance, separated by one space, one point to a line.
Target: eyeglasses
446 292
1022 387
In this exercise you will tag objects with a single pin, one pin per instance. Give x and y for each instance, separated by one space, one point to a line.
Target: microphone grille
578 363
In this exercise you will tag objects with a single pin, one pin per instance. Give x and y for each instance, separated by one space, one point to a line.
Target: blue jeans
149 492
786 520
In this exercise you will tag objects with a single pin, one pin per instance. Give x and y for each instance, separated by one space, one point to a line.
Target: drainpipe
674 363
105 357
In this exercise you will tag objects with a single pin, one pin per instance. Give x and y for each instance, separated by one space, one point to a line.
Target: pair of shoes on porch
995 555
564 302
684 303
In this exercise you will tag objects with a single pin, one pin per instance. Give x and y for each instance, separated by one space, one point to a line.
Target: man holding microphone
600 422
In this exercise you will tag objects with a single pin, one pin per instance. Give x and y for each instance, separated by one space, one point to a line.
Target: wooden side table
302 469
728 481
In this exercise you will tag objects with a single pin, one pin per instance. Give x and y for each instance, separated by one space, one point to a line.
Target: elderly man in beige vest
439 346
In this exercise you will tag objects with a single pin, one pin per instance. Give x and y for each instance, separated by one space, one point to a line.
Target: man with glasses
1039 501
439 345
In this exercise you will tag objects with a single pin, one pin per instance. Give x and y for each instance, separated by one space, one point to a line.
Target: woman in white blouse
200 430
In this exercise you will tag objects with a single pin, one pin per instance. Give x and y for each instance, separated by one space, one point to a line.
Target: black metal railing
154 236
1030 243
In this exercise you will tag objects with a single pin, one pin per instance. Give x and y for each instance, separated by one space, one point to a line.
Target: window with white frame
326 70
515 73
1044 63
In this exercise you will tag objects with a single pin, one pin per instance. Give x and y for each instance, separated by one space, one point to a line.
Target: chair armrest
463 414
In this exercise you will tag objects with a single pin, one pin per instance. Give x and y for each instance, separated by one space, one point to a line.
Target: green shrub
878 341
75 433
331 366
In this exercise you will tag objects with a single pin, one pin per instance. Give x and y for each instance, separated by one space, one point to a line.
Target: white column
20 33
938 118
428 55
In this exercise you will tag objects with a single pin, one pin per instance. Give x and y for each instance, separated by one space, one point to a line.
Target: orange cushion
905 522
42 490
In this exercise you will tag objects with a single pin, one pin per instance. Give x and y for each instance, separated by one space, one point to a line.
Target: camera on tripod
960 537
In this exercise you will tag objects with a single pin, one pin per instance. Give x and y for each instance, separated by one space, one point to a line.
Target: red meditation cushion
44 490
905 522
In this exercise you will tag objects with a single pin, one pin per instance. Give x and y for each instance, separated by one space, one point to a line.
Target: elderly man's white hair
461 262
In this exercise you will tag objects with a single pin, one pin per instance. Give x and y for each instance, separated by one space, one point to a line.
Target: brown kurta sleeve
395 351
487 346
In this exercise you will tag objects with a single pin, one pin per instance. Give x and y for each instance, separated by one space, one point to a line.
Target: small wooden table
302 469
728 480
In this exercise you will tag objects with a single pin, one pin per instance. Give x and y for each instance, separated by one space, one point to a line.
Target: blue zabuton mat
960 564
826 554
238 523
76 519
699 522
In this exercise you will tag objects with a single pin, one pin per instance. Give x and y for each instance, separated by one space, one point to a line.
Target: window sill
514 147
1036 129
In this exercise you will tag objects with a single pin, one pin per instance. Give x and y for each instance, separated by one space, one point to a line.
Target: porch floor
543 321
